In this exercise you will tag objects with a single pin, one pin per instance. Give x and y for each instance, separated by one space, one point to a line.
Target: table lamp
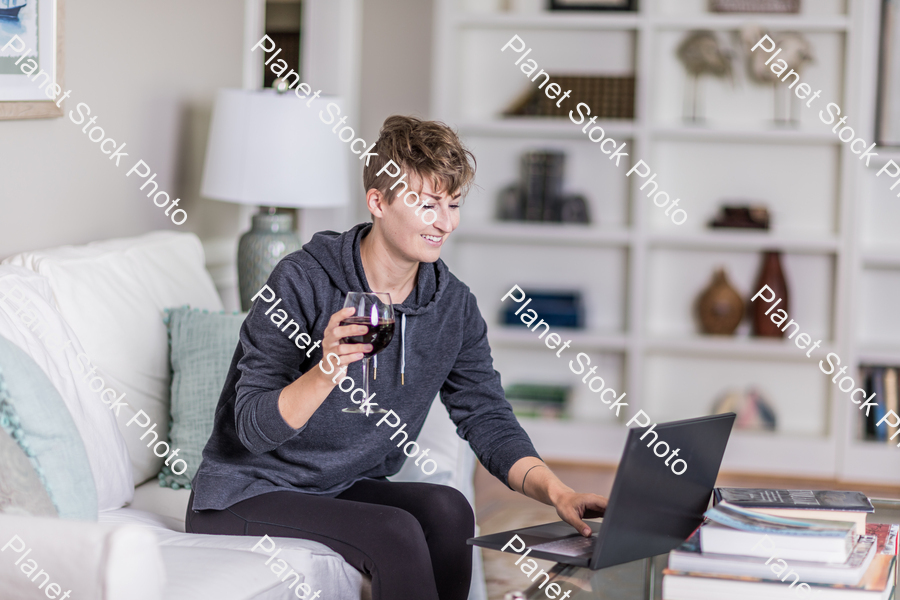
271 150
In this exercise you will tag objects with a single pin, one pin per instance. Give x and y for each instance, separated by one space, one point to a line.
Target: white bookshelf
639 274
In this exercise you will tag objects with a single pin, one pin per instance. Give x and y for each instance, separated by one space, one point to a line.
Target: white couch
107 298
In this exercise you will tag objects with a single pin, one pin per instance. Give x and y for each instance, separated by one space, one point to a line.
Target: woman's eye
454 206
428 206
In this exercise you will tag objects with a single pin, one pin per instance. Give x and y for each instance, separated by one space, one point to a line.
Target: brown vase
719 307
771 275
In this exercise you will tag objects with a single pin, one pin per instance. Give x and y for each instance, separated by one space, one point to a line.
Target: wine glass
375 311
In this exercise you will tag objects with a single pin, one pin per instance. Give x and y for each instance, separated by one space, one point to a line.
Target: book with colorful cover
735 517
794 499
826 505
877 581
743 532
688 557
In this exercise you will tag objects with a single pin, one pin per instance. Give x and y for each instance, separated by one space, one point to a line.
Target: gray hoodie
440 344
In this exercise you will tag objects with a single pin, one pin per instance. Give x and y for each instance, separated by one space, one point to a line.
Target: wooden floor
497 508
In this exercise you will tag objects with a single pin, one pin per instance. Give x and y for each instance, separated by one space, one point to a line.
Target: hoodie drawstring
402 348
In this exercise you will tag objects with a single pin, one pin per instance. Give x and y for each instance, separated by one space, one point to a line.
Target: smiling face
406 234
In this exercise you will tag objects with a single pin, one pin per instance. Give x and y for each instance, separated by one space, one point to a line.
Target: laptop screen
652 510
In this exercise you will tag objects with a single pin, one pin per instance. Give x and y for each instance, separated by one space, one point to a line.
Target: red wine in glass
379 335
374 311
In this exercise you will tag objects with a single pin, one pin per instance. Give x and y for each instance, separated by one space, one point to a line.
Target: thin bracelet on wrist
526 476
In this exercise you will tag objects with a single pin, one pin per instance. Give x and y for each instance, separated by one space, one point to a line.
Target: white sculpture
796 51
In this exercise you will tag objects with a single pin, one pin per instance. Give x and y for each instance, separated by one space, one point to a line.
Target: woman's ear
376 203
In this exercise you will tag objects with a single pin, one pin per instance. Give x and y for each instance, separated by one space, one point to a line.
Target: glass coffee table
642 579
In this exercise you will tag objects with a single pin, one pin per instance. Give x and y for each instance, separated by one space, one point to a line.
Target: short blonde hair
424 148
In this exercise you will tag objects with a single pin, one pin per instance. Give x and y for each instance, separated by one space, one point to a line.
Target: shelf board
543 127
733 347
505 335
872 462
752 240
882 258
885 153
553 234
632 20
550 20
762 136
769 22
775 453
747 452
578 440
878 354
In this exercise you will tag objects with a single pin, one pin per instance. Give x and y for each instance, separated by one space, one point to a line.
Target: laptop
651 510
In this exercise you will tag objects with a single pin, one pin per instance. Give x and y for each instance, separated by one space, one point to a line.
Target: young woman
285 460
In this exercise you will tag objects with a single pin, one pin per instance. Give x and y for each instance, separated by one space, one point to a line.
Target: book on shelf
538 400
826 505
734 530
557 308
890 399
786 581
609 97
882 381
688 557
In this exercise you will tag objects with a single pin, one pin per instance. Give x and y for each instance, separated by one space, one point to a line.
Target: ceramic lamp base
269 240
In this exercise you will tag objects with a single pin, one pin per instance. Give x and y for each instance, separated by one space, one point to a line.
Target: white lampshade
270 149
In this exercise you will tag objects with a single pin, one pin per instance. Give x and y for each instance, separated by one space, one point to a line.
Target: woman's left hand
572 507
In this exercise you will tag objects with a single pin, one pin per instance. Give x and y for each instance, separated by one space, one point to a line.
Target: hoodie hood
338 255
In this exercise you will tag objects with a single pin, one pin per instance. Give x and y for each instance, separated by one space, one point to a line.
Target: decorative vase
772 275
269 240
719 307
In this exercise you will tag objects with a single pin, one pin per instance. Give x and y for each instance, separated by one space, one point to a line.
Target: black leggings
410 537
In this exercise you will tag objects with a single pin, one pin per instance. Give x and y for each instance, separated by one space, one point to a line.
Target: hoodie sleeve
272 357
476 403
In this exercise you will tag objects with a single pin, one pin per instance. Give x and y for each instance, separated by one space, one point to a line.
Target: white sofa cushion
163 501
113 293
214 567
91 560
30 321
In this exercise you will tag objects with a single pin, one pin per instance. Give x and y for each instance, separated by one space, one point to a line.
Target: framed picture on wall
888 120
593 4
31 59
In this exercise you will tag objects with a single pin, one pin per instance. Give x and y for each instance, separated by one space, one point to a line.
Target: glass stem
365 368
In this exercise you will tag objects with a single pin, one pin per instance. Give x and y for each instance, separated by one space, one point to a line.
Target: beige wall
396 61
149 71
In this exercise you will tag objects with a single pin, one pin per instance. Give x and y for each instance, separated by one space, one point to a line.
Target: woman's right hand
334 332
298 401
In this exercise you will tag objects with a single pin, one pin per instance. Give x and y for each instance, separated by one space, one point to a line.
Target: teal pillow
201 346
23 487
36 410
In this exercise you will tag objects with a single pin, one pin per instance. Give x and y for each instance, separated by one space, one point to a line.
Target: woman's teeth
432 238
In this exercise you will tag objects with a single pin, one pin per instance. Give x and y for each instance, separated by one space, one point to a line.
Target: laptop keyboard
572 546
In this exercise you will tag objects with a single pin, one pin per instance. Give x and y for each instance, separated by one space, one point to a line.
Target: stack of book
789 544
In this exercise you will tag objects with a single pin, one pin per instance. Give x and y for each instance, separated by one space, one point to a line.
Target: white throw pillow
113 294
30 321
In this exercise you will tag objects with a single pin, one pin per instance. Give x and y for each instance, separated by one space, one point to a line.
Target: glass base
358 410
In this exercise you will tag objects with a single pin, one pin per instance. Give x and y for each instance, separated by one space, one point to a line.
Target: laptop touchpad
575 545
